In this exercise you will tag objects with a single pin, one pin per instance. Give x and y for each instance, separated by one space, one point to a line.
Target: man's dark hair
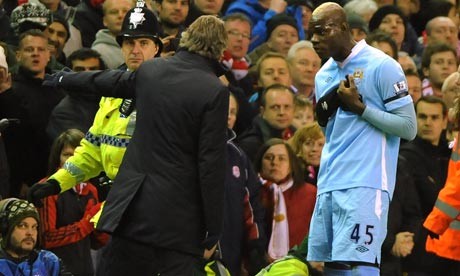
31 32
294 162
237 16
434 48
83 54
380 36
433 100
276 86
411 72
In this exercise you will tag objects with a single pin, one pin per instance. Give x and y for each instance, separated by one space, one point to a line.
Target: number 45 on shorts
356 233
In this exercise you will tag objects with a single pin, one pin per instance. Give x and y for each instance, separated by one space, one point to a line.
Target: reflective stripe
455 156
455 225
74 171
93 139
114 141
447 209
107 139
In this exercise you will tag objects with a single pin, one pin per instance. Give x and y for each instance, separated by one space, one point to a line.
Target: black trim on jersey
400 95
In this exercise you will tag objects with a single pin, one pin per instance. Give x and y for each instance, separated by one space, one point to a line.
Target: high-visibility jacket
103 147
444 220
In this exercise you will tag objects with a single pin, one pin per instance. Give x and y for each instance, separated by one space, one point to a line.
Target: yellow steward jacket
444 220
103 147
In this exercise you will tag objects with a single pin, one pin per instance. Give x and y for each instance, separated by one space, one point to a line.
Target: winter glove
54 79
42 190
326 106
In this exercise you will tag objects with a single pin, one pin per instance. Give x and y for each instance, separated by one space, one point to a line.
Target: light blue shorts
349 225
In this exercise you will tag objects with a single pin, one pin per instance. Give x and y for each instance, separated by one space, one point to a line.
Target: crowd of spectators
274 141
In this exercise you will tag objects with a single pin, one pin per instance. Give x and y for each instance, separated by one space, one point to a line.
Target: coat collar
211 65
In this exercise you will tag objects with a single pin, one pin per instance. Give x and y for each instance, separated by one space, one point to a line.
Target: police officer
105 143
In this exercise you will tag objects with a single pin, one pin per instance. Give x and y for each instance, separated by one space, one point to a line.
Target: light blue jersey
356 153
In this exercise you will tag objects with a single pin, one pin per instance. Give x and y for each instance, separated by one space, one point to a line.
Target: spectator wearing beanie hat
58 34
18 251
307 9
25 17
260 12
391 19
282 33
358 26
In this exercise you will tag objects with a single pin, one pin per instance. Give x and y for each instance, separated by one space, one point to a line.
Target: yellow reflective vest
103 147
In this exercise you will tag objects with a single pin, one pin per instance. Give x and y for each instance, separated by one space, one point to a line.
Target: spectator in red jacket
67 230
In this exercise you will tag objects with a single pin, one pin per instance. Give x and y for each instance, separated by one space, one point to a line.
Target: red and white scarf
279 239
239 67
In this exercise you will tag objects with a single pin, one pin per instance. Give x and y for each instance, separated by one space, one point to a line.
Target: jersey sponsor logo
400 87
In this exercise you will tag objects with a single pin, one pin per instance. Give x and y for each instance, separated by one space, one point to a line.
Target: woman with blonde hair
307 144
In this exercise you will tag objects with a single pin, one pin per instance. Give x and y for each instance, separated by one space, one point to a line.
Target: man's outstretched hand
42 190
54 79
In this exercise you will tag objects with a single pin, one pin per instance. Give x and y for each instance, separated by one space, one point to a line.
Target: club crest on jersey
358 75
400 87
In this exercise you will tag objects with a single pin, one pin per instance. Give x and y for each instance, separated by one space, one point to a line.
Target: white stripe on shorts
378 203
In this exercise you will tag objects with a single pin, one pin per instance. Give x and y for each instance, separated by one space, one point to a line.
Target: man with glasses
238 27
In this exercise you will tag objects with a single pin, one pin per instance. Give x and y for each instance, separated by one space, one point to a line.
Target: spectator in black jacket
243 234
404 222
88 20
27 144
427 161
76 110
274 121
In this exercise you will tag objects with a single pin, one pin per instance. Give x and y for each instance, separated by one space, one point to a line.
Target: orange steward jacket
444 220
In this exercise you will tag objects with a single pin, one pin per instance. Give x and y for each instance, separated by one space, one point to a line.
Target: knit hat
3 59
55 17
12 212
29 16
306 3
280 19
378 16
309 4
357 22
140 22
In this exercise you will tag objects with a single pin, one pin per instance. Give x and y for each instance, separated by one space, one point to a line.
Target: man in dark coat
427 162
274 121
27 144
165 209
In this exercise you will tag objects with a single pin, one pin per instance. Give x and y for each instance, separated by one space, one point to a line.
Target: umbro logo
362 249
